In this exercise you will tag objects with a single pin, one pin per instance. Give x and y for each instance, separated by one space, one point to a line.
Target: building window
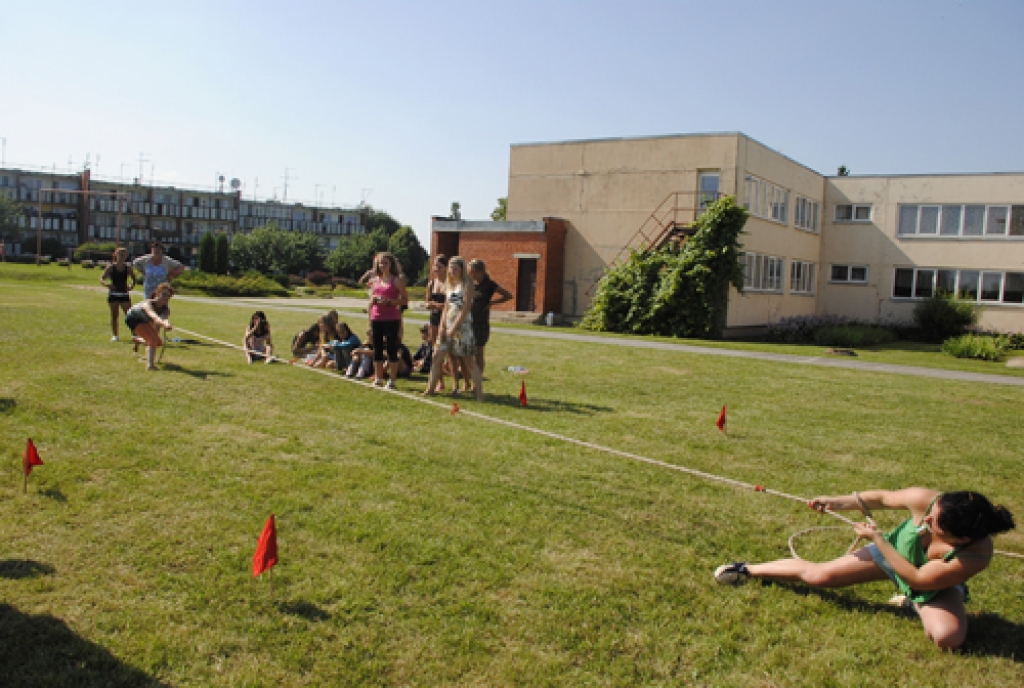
853 213
801 277
961 220
707 189
764 199
762 273
853 274
968 285
805 214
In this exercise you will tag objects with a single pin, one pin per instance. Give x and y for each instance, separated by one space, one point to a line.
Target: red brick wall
498 249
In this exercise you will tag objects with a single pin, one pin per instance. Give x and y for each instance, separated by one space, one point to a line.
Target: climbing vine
680 291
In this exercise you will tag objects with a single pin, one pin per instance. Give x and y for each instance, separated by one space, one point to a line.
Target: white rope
564 438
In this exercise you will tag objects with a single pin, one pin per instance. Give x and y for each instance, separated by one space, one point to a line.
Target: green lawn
419 548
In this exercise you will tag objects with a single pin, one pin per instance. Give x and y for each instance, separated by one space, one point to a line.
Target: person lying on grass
145 317
930 556
258 343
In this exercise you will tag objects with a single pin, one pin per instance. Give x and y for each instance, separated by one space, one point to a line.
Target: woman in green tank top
929 556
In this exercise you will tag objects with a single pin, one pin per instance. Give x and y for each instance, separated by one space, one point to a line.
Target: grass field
419 548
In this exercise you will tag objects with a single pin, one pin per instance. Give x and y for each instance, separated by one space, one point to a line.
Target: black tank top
119 279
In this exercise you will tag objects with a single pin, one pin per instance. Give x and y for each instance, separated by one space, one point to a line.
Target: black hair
970 515
258 323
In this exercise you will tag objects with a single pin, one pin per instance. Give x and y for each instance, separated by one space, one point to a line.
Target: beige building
814 244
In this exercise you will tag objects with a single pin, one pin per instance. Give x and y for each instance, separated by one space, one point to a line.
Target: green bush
943 316
223 248
249 284
675 291
88 264
208 254
983 347
87 250
852 336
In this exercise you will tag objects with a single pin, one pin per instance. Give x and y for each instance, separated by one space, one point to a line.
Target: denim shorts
882 563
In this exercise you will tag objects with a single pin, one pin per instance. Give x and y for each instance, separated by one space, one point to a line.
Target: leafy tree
456 211
223 249
675 291
943 316
9 214
90 249
271 250
380 220
500 214
405 246
53 248
354 254
208 254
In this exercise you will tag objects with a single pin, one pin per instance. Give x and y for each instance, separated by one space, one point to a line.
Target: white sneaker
114 338
390 384
732 574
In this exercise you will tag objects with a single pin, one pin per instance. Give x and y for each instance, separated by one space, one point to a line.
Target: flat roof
446 225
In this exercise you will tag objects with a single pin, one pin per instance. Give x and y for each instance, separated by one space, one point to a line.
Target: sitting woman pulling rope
930 556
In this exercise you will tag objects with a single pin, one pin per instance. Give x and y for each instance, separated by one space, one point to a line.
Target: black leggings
385 333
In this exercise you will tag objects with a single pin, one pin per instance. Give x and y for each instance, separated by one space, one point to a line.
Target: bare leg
838 573
480 361
945 619
469 364
393 370
436 371
115 313
378 372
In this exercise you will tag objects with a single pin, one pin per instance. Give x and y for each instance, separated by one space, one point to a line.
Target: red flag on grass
455 409
266 549
30 458
721 420
522 394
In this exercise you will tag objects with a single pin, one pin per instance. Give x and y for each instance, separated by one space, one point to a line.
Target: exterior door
526 285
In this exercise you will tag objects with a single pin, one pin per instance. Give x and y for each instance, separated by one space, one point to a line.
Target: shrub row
249 284
979 346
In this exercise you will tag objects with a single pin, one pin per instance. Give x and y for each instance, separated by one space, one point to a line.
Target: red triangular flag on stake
721 420
30 458
455 409
266 549
522 394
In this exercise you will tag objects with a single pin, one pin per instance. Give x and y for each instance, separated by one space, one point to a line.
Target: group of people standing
146 318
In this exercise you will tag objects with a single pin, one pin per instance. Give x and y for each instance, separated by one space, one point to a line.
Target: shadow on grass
988 635
55 494
547 406
306 610
16 569
40 650
7 406
197 374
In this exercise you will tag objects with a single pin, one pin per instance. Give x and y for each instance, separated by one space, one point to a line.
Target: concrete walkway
343 303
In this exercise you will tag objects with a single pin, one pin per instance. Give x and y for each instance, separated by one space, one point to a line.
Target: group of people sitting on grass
459 300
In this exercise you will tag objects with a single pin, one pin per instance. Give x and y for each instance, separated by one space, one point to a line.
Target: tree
271 250
223 248
500 214
456 211
53 248
378 219
10 212
405 246
354 254
208 254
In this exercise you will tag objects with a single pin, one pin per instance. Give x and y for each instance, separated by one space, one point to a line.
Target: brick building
525 257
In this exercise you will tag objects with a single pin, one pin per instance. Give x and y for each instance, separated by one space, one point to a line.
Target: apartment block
76 209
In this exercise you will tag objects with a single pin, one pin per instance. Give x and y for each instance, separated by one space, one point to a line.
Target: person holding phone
387 296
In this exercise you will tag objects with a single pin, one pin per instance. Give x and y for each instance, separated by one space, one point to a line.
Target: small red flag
30 458
455 409
266 549
522 394
721 420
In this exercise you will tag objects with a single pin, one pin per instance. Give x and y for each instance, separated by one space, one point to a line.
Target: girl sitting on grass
257 339
930 556
145 317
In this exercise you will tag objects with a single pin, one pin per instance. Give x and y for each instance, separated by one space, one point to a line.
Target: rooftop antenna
3 151
255 187
287 171
366 195
142 160
70 163
220 182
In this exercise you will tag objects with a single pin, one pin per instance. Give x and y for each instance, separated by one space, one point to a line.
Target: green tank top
906 539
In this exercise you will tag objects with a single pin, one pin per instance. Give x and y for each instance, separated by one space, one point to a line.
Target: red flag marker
29 459
266 549
455 409
522 394
721 420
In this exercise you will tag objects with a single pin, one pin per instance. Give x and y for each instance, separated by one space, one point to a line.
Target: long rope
564 438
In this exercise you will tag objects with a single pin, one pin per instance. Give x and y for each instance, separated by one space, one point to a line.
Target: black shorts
119 298
481 333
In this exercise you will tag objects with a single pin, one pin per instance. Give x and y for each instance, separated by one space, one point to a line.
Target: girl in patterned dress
455 335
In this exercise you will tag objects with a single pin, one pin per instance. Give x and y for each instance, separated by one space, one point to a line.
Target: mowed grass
419 548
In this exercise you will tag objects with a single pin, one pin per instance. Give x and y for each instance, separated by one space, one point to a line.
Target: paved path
323 305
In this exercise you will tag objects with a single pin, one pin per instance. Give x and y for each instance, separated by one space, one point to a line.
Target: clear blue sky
420 101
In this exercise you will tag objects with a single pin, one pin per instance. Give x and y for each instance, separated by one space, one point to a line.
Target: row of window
764 199
960 220
969 285
805 214
765 273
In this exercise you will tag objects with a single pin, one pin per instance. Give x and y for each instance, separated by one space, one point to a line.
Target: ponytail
973 516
